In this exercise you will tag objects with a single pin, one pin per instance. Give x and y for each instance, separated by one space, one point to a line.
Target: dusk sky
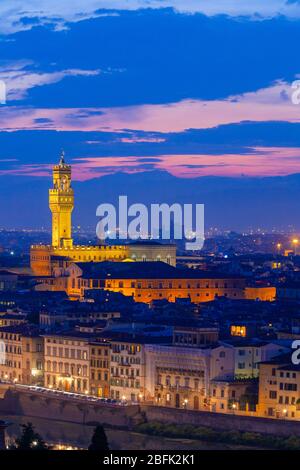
180 89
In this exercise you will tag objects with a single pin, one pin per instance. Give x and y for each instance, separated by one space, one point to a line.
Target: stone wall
34 404
222 421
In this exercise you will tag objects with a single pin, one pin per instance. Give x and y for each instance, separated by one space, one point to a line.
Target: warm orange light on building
47 259
237 330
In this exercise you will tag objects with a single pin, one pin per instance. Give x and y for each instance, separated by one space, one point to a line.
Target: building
8 280
62 251
50 319
229 395
250 353
9 319
289 291
67 361
263 293
23 361
145 282
180 375
100 368
127 369
279 389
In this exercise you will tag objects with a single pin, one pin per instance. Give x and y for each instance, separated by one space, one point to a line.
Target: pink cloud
261 161
270 104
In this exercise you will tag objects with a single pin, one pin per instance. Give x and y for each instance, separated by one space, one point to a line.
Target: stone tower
61 203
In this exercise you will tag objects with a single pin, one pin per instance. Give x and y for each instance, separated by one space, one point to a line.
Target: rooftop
145 270
23 329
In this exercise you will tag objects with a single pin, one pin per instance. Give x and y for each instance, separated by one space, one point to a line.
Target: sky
198 90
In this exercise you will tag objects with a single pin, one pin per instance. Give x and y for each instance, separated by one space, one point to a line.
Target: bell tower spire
61 203
62 158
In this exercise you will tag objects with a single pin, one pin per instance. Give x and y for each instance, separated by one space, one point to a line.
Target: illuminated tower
61 203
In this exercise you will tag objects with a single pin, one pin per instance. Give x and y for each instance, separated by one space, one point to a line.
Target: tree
29 440
99 440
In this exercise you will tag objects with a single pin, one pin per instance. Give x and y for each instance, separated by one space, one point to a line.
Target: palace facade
62 251
144 282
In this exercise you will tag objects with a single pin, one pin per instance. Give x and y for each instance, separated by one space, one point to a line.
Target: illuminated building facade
100 369
62 251
279 389
250 353
238 330
145 282
127 364
9 319
179 375
264 293
67 362
24 355
226 395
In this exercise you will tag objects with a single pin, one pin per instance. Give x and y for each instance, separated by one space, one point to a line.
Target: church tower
61 203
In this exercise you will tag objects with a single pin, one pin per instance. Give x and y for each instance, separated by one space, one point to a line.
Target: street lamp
279 245
185 402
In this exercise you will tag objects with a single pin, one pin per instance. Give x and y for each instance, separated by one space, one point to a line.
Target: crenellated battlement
45 259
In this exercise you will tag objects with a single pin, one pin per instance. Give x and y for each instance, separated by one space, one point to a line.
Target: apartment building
100 368
127 369
230 395
67 361
22 354
279 389
249 353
